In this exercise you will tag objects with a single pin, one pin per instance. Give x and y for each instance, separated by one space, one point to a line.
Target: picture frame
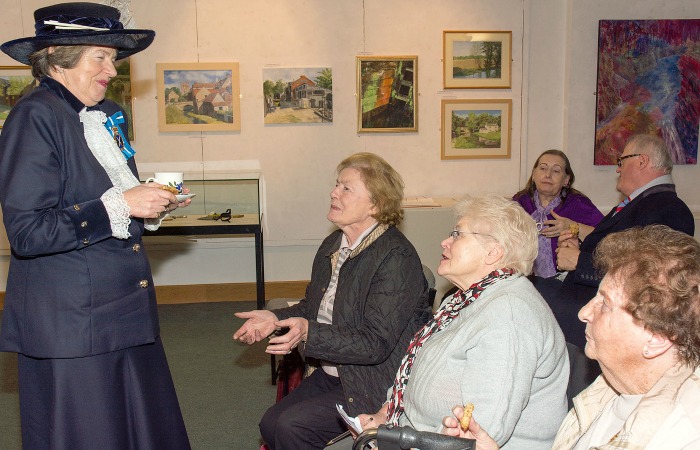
297 95
476 129
477 59
119 91
387 100
211 101
655 92
15 82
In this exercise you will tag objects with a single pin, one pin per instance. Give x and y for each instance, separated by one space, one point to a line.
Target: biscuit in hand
573 228
466 416
172 189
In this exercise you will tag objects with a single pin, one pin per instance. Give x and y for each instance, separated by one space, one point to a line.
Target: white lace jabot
111 159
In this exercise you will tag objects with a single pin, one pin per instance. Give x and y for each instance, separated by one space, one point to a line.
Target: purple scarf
544 263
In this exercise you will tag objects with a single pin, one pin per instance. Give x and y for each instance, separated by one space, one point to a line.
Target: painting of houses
298 95
475 129
202 97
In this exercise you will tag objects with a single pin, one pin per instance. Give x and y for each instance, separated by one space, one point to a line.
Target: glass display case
216 192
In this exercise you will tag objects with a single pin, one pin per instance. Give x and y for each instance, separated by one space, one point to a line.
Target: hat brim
127 42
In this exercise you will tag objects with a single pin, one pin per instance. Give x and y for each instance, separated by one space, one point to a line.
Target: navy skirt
119 400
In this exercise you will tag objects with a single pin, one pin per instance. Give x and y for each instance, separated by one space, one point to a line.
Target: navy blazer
657 205
73 290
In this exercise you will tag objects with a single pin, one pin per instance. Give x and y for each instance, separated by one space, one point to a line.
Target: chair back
431 282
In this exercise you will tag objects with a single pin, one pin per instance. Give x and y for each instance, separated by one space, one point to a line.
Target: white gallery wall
554 51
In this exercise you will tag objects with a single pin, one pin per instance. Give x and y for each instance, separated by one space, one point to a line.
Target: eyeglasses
454 234
622 158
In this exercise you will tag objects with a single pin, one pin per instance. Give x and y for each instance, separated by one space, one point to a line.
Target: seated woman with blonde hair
494 343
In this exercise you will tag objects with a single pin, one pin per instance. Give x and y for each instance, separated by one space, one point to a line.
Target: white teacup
168 178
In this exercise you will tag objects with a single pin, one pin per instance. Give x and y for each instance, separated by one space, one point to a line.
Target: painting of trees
477 59
476 129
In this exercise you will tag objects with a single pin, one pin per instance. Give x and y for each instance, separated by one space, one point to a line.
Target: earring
646 352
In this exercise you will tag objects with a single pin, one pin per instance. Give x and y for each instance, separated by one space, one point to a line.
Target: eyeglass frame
622 158
454 234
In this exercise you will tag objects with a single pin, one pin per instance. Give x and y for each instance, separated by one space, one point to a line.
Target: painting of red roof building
198 97
298 95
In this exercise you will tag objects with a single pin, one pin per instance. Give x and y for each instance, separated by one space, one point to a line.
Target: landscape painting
475 129
476 59
648 83
198 97
119 91
15 81
387 90
298 95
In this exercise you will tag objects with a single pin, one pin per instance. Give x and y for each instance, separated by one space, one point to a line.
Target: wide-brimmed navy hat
79 23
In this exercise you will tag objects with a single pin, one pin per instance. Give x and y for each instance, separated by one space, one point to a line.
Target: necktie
622 204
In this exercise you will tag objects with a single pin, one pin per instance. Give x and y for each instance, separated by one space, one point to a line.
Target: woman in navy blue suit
80 306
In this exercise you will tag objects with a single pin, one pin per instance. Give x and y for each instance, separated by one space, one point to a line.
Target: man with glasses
644 179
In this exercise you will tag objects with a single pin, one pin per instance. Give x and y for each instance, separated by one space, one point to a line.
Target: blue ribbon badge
112 125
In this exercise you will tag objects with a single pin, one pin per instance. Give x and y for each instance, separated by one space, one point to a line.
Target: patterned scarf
445 315
544 263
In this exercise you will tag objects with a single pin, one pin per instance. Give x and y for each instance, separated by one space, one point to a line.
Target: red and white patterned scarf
445 315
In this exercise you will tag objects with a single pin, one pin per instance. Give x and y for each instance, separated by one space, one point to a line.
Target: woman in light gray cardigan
495 343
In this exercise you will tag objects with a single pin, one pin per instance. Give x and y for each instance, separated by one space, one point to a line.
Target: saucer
183 197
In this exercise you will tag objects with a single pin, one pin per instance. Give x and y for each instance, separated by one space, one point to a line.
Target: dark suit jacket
73 290
657 205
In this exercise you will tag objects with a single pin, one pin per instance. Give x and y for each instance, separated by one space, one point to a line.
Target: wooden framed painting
387 94
476 59
198 96
476 129
15 81
119 91
298 95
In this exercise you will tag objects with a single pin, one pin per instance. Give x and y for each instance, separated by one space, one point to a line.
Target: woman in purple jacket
556 207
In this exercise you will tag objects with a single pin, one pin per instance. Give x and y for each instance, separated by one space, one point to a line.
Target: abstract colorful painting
648 82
